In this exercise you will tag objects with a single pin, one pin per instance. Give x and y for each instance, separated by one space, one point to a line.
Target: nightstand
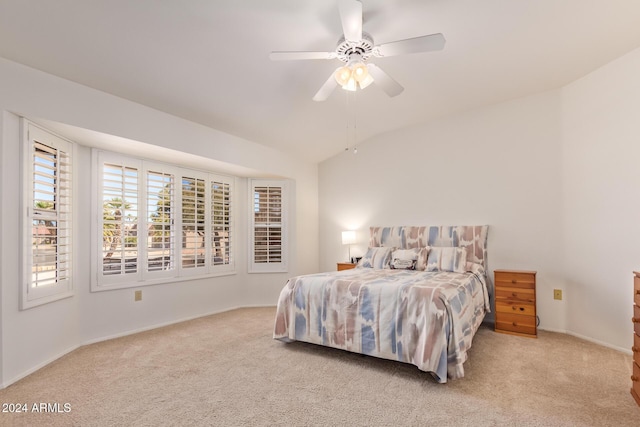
516 302
346 266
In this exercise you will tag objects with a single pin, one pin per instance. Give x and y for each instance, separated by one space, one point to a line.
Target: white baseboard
573 334
22 375
30 371
161 325
593 340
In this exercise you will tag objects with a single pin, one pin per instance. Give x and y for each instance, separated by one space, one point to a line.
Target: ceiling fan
355 48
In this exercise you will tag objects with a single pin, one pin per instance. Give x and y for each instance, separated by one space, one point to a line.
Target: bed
417 296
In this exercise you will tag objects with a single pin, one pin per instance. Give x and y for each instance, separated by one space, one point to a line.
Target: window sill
36 302
160 281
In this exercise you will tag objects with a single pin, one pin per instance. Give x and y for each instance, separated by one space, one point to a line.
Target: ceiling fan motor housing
363 47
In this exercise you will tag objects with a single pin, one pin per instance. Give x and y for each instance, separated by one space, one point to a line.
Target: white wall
2 181
601 193
554 175
498 165
57 336
33 337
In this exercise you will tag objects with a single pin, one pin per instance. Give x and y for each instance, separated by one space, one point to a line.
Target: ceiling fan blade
351 17
382 79
414 45
326 89
292 56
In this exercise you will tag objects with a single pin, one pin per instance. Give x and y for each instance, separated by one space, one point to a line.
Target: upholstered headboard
473 238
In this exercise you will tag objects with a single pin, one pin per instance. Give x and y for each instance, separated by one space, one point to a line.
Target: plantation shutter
48 226
160 223
193 223
269 231
119 196
221 223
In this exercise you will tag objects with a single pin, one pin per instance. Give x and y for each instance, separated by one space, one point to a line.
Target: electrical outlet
557 294
137 296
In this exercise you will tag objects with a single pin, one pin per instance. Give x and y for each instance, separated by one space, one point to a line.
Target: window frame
144 276
30 295
269 267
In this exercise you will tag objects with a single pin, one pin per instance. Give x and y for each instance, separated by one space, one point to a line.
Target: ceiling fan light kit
353 75
343 75
355 48
360 71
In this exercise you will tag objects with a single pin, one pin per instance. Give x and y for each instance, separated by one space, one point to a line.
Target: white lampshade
348 237
342 75
365 82
352 85
360 71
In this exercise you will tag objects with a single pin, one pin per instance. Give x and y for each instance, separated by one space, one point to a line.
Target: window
193 223
47 221
268 234
160 223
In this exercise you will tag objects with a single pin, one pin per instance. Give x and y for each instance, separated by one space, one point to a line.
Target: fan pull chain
355 128
351 138
346 139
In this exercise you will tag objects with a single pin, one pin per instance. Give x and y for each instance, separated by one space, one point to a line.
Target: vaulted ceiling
208 60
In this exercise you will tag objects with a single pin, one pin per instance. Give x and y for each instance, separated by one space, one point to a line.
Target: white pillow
447 259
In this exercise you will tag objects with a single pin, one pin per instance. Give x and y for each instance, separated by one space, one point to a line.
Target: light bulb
360 72
343 75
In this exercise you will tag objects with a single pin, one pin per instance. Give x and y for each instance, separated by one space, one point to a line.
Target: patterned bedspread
424 318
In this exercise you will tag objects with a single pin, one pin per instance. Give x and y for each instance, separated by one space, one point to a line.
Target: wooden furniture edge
516 271
501 331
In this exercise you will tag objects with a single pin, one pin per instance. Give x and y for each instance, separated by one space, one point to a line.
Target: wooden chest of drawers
515 292
345 266
635 377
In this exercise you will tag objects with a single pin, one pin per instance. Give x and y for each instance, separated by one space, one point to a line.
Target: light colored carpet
226 370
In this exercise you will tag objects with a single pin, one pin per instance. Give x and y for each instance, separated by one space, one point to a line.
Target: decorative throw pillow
404 259
376 258
447 259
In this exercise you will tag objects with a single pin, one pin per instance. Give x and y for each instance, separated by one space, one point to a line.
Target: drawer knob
514 324
634 378
637 291
513 294
635 320
635 349
514 281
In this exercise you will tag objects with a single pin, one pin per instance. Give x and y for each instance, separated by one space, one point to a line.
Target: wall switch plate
137 296
557 294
